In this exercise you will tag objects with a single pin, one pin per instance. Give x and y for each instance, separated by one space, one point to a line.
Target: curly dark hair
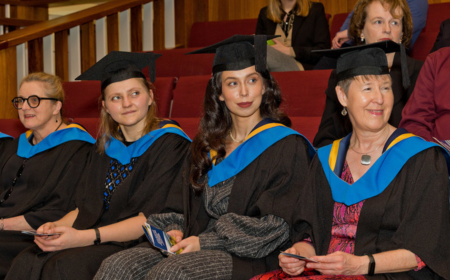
216 122
359 17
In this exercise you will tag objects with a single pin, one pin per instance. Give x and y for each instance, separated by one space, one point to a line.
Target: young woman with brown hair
246 168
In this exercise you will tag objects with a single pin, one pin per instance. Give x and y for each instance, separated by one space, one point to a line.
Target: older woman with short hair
372 22
39 170
376 203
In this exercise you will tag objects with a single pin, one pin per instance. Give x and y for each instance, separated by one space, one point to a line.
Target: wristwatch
97 240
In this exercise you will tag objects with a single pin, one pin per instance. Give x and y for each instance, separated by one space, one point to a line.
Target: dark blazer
308 33
443 38
335 126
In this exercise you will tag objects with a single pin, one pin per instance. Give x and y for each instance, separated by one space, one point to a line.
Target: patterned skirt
308 274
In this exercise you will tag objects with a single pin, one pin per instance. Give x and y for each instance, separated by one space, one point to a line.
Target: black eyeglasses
33 101
19 173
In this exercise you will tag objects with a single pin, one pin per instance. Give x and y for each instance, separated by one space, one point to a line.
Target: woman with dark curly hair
372 22
245 171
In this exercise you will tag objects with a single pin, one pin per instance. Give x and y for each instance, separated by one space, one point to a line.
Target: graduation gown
335 126
45 190
4 139
268 185
410 212
145 190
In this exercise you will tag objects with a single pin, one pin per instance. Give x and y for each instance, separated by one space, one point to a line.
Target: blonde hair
359 18
52 85
275 9
109 127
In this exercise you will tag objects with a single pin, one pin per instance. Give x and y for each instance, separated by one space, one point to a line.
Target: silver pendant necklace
366 159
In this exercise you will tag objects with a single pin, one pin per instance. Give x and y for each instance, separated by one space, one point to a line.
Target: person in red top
427 113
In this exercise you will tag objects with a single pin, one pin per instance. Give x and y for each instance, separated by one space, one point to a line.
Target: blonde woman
39 170
303 27
128 177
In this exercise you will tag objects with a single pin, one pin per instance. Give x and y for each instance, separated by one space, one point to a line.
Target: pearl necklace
232 138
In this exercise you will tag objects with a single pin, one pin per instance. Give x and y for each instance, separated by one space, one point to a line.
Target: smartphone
299 257
33 232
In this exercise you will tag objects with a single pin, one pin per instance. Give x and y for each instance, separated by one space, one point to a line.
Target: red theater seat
307 126
336 23
424 44
164 95
189 125
12 127
437 13
188 96
83 98
303 92
207 33
174 63
90 124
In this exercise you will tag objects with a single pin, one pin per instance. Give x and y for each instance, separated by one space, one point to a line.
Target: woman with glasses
39 170
128 176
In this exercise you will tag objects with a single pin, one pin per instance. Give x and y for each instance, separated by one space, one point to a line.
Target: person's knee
167 270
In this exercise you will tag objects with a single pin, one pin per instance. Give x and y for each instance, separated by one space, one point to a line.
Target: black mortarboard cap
237 53
119 66
369 59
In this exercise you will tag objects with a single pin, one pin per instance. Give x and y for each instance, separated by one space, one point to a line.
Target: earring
344 112
56 120
400 42
362 38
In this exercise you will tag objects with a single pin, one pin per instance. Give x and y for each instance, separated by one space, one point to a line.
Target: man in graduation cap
128 176
247 167
376 202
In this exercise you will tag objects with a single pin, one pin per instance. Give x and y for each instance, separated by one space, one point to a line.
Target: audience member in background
127 178
427 113
39 171
303 27
418 8
374 21
376 202
443 38
247 169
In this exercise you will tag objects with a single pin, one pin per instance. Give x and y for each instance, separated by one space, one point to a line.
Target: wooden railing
34 3
69 45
